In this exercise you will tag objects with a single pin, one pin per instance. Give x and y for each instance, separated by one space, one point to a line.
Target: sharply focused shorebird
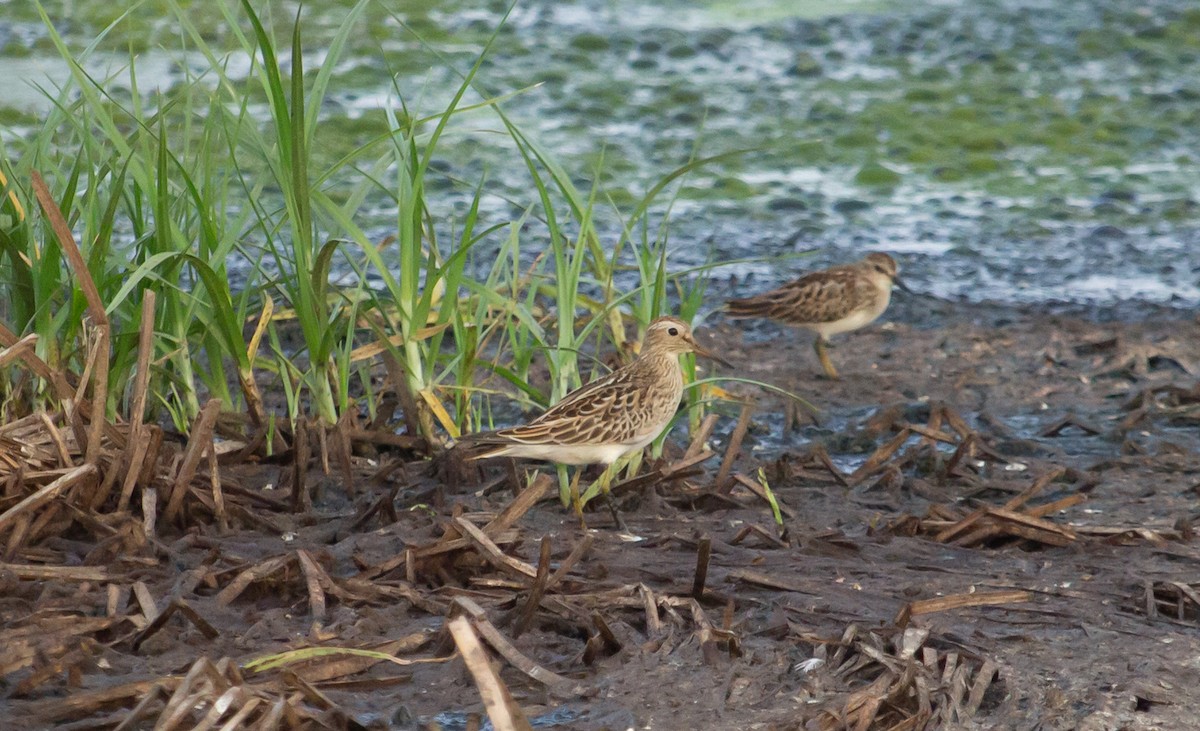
828 302
610 418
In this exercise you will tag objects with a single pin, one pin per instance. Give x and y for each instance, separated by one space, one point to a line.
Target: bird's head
882 267
672 336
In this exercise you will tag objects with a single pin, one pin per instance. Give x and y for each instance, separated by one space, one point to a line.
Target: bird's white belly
853 321
574 454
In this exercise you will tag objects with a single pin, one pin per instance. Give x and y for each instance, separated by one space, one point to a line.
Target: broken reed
236 227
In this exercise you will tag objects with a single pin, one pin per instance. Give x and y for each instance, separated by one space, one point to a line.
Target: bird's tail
749 307
484 444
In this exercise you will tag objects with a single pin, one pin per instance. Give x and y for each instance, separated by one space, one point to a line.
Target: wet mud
991 526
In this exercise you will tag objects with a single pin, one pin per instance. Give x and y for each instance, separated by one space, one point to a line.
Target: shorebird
610 418
828 302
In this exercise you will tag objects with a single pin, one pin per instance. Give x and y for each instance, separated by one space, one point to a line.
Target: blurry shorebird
610 418
828 302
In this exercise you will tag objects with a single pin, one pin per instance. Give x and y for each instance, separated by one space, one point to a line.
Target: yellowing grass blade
713 391
338 301
271 662
439 292
263 320
370 350
12 196
443 416
617 324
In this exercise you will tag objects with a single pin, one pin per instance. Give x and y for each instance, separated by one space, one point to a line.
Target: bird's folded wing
818 297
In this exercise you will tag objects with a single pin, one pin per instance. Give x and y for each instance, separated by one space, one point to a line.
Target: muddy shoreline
1093 638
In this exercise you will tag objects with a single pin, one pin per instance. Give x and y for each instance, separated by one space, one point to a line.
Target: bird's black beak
709 354
900 283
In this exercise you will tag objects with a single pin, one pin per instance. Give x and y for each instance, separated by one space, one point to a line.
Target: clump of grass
247 237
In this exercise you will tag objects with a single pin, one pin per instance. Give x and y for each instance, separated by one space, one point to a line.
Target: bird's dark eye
673 331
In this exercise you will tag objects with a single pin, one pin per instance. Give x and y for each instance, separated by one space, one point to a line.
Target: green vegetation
164 197
246 191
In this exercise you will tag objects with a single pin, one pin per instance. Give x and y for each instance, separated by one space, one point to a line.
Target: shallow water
1007 151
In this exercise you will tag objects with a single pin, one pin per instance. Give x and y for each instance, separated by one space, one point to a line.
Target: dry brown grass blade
1174 601
21 647
603 643
310 692
523 616
159 621
1000 528
705 634
649 603
388 439
502 710
756 488
701 436
1044 527
312 580
1120 533
1033 490
58 382
254 399
575 556
821 455
678 470
188 696
301 455
96 312
414 414
216 693
932 434
703 553
771 582
1056 506
520 505
44 495
145 600
18 350
902 683
199 441
256 572
87 703
965 450
983 680
492 553
959 601
752 529
218 492
342 444
31 572
149 510
956 422
722 483
451 544
323 444
66 239
986 523
878 458
553 681
136 449
144 708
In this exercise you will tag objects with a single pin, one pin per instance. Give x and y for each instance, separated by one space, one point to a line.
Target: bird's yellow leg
602 483
602 486
608 476
820 345
572 491
632 463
